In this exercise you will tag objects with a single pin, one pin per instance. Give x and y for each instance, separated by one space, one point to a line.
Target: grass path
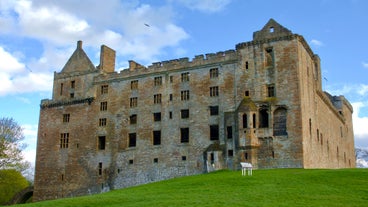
276 187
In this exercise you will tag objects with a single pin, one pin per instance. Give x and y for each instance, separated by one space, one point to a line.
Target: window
157 98
184 95
132 139
71 95
214 91
183 158
254 120
155 160
245 121
102 122
72 84
185 113
134 85
184 135
133 102
269 57
214 132
246 65
100 168
263 118
279 124
104 89
170 114
214 110
171 79
103 106
64 140
246 93
157 116
158 81
133 119
230 153
131 162
61 89
214 73
271 91
101 142
185 77
170 97
229 131
66 118
272 29
156 137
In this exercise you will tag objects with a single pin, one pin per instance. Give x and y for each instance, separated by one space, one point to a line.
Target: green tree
11 182
11 146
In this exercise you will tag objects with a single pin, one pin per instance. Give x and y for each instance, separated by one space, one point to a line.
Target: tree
11 146
11 182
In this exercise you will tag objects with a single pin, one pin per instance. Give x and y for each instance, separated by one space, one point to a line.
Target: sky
38 36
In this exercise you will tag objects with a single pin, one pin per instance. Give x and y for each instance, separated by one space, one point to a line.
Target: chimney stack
107 59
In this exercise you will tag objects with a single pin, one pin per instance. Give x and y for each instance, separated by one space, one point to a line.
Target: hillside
277 187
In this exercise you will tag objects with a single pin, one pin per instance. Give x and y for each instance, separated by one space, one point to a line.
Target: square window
214 73
155 160
103 106
183 158
185 77
102 122
214 91
214 110
133 119
104 89
157 98
158 81
185 113
131 162
66 118
230 153
157 116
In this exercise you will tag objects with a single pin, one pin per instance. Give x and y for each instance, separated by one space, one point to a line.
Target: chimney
79 44
107 59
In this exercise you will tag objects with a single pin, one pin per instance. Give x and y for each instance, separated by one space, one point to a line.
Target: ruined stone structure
261 103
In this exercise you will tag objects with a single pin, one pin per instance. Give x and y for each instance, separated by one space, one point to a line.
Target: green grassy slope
276 187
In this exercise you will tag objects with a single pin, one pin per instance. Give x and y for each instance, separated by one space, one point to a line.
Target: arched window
279 122
245 121
263 118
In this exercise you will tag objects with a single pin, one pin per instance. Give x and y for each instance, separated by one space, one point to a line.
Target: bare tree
11 146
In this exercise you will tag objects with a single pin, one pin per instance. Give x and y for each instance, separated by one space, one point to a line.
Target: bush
11 182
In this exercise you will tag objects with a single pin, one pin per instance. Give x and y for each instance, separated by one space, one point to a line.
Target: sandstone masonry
262 103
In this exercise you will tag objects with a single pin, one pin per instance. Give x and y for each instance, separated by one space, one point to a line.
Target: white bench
246 167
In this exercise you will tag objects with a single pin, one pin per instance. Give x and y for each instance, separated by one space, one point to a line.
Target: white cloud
360 125
208 6
9 64
316 43
365 64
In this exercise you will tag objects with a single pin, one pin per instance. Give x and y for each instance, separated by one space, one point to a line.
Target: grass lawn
276 187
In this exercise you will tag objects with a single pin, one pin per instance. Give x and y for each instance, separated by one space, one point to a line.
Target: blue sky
38 36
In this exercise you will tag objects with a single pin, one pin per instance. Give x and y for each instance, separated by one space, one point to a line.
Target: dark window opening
230 153
245 121
157 98
170 114
184 95
133 102
131 162
66 118
214 110
101 142
61 88
185 77
64 140
246 93
212 158
100 168
71 95
185 113
183 158
214 73
156 137
157 116
103 106
184 135
72 84
271 91
214 91
134 84
104 89
254 120
133 119
246 65
158 81
102 122
246 156
155 160
170 97
263 118
132 139
280 119
171 79
214 132
229 130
